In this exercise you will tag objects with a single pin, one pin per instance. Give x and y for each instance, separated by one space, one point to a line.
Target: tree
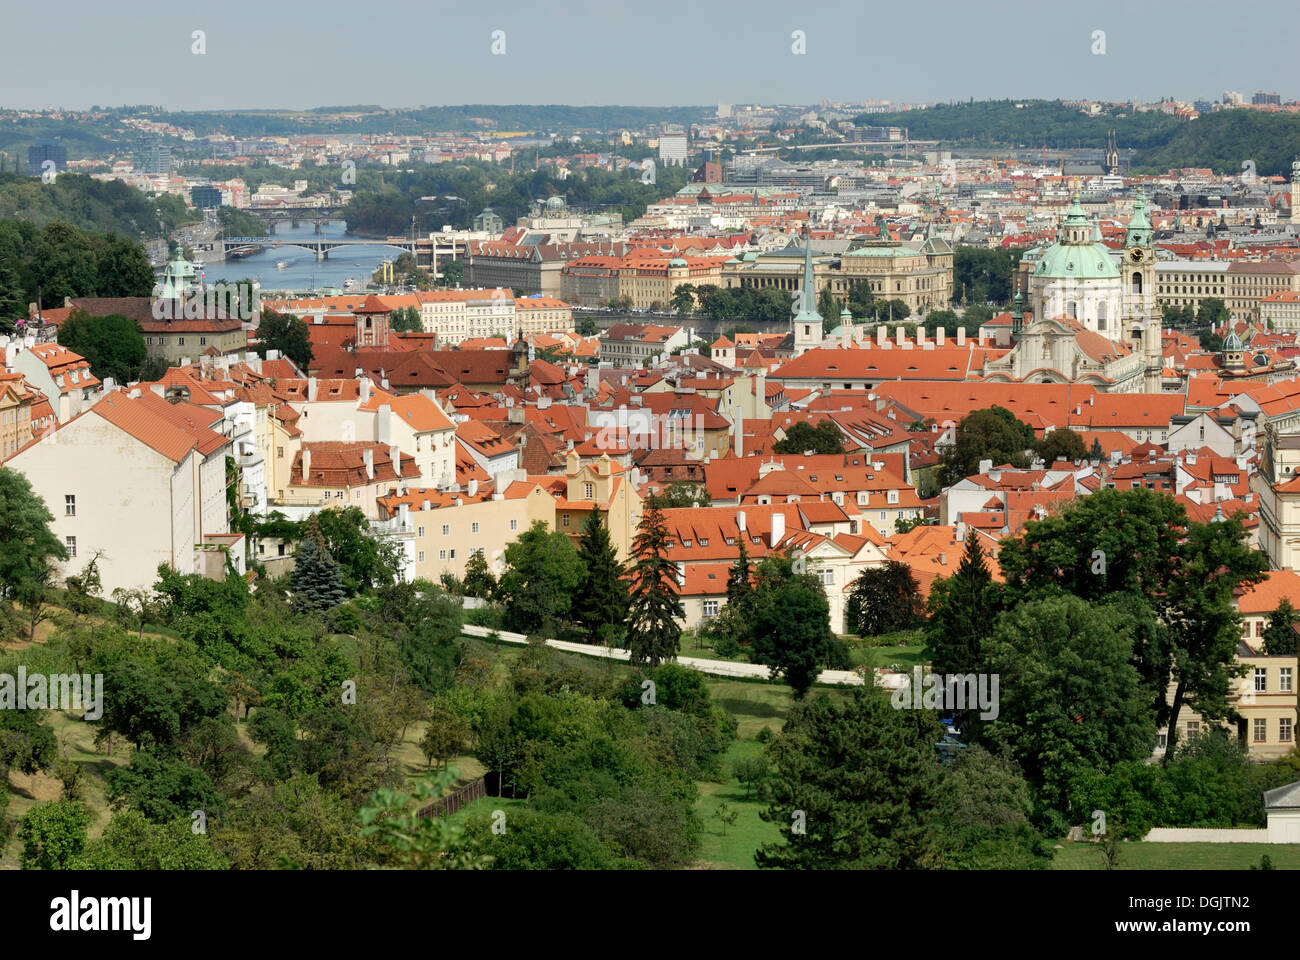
985 812
366 560
602 602
789 619
405 319
991 434
53 835
112 345
860 300
1095 452
681 493
409 841
828 307
825 438
653 633
853 788
444 736
27 546
1070 698
586 326
883 599
316 581
130 842
683 299
543 573
1279 635
479 579
962 612
453 274
739 588
752 772
1062 444
286 333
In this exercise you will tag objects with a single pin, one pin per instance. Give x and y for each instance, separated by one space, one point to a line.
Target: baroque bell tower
1141 313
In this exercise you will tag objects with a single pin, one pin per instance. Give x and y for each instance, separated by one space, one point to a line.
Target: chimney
306 463
738 424
395 454
961 336
472 488
778 528
985 466
363 388
368 455
961 531
404 515
943 559
273 354
311 389
938 336
740 520
920 335
882 334
681 573
383 424
424 504
899 338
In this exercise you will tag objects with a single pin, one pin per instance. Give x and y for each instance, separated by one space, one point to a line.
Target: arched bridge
240 246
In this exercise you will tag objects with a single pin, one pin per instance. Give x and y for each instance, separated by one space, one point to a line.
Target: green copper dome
1078 255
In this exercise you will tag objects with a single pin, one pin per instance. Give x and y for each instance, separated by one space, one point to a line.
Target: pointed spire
809 304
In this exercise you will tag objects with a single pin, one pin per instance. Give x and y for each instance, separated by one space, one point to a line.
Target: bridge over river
236 247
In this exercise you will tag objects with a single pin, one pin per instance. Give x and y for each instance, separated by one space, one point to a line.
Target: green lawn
733 850
1180 856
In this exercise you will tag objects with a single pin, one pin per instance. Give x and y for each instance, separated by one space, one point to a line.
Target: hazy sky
304 53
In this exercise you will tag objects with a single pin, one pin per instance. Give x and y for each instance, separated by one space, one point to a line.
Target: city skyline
632 55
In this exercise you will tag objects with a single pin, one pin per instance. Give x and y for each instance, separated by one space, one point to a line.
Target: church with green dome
1091 315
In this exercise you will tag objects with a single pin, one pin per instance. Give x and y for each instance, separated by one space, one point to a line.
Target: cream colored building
536 315
137 479
451 527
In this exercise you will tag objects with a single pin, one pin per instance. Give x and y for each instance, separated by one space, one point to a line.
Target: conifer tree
602 602
1279 635
653 633
739 588
316 581
962 610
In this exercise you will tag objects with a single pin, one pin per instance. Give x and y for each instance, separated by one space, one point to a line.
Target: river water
304 273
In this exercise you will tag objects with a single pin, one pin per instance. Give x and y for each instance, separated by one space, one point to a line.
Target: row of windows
1260 678
1260 729
180 341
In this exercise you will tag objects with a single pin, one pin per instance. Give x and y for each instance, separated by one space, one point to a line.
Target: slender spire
808 299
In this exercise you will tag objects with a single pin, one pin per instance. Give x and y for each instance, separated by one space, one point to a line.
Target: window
1162 741
69 505
446 529
1284 729
473 527
442 554
203 341
827 577
1261 679
1284 679
451 554
514 524
1260 730
71 544
419 531
180 341
279 453
710 608
588 491
421 556
565 519
1193 728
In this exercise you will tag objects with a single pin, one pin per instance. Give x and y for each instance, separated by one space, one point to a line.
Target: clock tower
1141 312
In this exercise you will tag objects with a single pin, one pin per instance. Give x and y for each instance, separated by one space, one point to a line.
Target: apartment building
1250 281
139 481
61 375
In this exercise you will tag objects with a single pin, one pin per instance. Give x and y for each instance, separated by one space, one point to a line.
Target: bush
765 735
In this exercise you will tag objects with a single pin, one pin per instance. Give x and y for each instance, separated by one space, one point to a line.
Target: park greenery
309 718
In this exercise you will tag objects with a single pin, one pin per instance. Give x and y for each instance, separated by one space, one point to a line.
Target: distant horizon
630 54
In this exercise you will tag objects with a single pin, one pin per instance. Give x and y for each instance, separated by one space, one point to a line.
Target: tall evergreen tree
653 633
316 581
739 589
962 610
602 602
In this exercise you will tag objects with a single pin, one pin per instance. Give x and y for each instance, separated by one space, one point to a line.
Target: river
304 273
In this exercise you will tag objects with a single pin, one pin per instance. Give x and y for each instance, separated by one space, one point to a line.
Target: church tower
807 323
1112 154
1141 314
